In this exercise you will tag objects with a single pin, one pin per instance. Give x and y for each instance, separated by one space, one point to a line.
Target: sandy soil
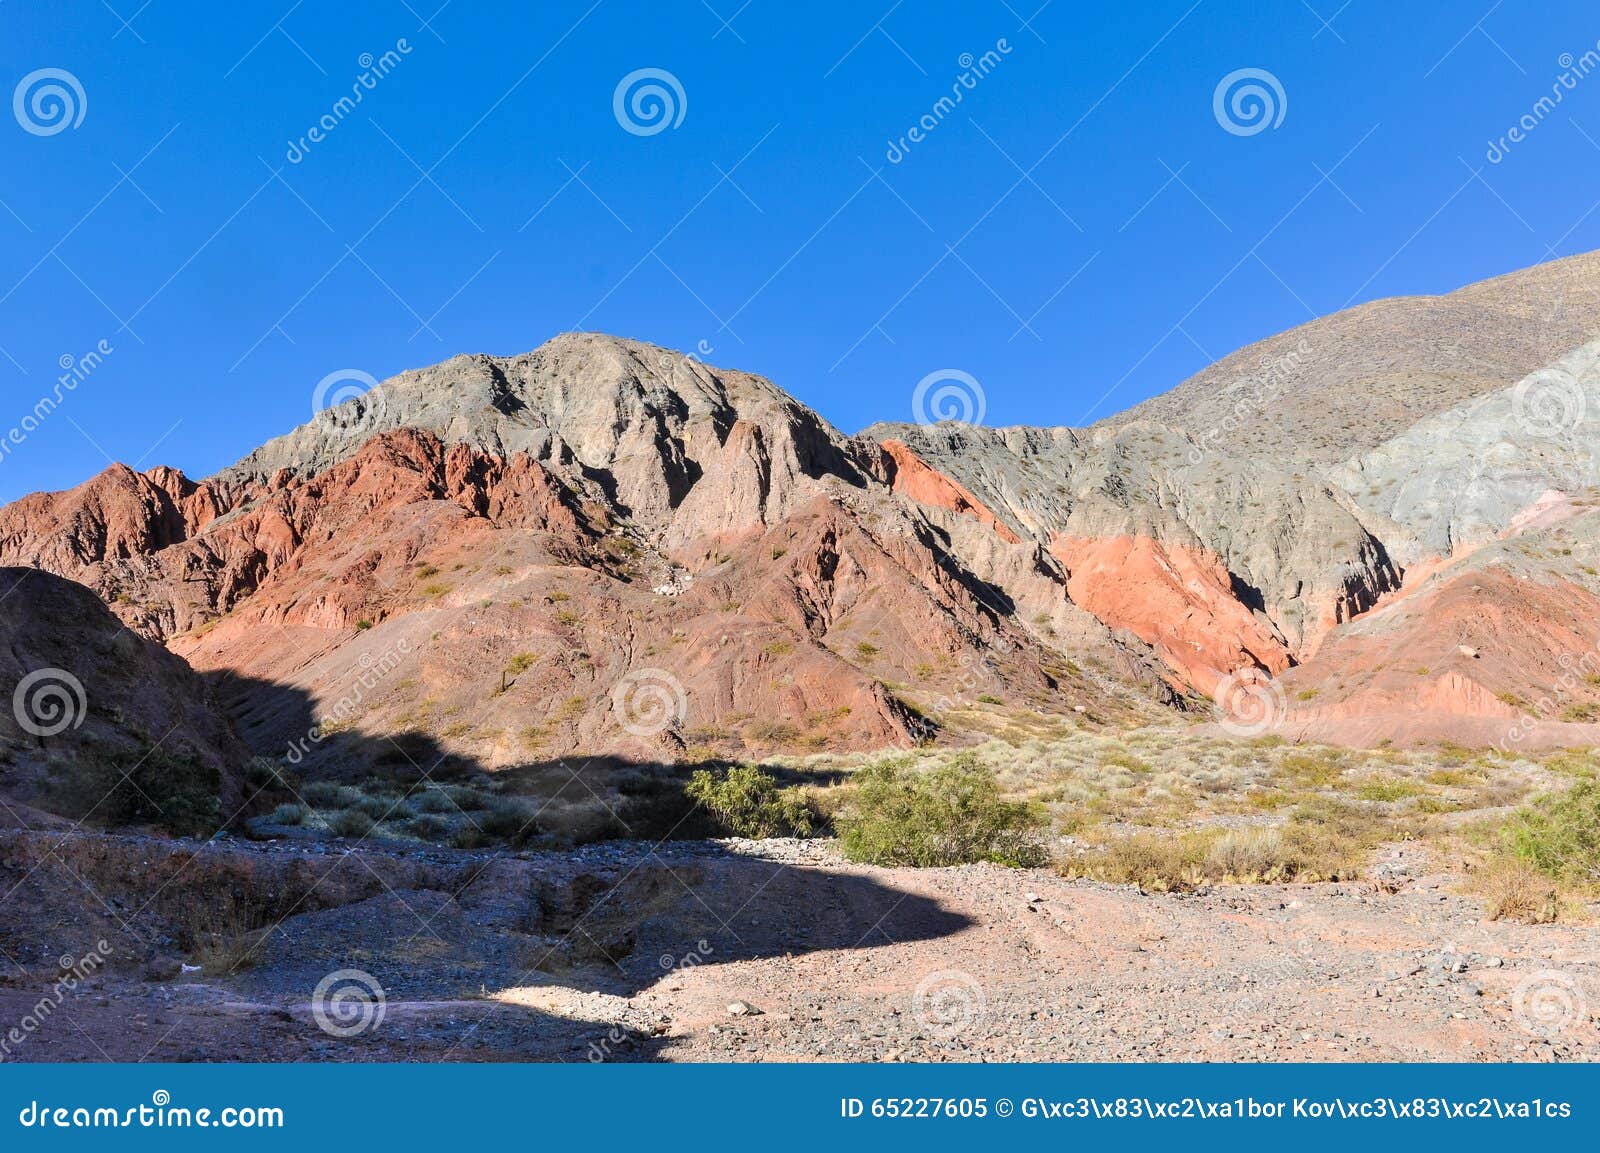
778 950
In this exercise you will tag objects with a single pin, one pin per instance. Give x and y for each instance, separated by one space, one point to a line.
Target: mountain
104 725
519 544
604 548
1345 383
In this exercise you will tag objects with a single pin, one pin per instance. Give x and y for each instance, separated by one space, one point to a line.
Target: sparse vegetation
950 815
750 803
351 823
1559 834
146 787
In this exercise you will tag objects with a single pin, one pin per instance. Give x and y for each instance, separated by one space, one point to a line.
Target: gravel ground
781 951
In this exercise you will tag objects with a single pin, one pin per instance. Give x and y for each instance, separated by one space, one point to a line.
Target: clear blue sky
768 223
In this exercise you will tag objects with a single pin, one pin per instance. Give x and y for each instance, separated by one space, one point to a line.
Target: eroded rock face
1179 600
91 702
536 529
536 532
1283 556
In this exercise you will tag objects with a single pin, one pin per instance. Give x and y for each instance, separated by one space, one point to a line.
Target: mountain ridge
899 577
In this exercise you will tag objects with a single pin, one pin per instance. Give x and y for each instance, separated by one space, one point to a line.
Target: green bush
951 815
433 801
327 795
288 814
351 823
748 802
1559 834
508 819
138 788
428 827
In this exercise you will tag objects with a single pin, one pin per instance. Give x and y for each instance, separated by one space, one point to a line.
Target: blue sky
1079 233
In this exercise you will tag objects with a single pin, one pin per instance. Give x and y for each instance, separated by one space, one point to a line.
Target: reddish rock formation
1180 600
913 477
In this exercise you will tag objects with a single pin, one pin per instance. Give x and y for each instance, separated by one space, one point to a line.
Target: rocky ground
781 951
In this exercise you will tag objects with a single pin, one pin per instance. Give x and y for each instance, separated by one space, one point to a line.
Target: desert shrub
1559 834
288 814
263 773
433 801
748 802
1513 890
327 795
771 732
508 820
1388 789
951 815
378 808
150 787
1154 861
1321 841
468 837
351 823
224 935
1246 852
427 827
